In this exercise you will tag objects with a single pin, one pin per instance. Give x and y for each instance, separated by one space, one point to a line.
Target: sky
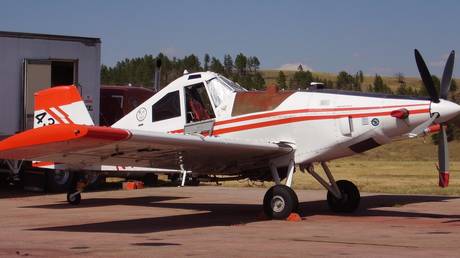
326 36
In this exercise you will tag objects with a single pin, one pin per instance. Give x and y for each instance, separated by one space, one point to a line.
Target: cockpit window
197 103
220 87
233 85
218 90
167 107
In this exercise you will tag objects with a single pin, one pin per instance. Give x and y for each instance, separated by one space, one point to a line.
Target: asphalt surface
224 222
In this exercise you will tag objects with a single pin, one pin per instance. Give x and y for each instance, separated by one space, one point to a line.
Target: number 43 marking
40 117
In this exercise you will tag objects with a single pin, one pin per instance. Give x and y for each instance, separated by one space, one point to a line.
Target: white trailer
30 62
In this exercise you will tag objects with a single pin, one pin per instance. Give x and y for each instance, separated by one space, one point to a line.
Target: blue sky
330 36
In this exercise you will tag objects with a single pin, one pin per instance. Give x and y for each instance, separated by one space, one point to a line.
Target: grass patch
404 167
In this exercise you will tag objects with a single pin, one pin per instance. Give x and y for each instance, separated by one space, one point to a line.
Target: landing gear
79 182
74 198
280 201
350 197
342 196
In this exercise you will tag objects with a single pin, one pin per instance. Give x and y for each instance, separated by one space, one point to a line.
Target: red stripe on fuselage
304 118
296 111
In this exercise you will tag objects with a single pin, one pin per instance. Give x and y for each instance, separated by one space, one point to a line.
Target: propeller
443 151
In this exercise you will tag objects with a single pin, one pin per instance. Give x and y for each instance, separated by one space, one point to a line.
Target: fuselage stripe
304 118
287 112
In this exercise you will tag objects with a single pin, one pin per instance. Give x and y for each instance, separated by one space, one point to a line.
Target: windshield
232 85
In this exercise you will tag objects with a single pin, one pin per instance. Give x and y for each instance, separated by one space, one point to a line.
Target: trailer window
167 107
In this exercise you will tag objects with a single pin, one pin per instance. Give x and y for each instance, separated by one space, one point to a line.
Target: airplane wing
83 146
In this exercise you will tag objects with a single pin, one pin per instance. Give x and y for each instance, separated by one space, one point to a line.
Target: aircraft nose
446 109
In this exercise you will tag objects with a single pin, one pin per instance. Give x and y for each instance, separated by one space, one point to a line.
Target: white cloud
294 66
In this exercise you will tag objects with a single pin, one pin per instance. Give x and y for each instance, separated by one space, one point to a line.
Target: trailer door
37 76
42 74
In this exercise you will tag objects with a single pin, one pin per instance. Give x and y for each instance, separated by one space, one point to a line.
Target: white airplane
205 124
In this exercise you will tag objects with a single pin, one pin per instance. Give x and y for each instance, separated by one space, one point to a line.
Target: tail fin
60 105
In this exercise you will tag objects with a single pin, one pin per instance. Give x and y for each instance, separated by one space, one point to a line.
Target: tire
280 201
350 198
74 200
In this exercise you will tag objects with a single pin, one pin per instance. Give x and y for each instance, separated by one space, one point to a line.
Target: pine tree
281 80
241 64
228 65
380 86
206 62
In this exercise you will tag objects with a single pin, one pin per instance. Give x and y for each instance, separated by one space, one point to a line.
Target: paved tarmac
212 221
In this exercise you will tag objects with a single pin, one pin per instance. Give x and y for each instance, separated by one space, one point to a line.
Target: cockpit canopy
222 89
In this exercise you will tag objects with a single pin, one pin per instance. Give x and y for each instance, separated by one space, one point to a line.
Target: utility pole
156 81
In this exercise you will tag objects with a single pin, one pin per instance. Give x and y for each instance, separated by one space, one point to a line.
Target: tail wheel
350 197
280 201
73 198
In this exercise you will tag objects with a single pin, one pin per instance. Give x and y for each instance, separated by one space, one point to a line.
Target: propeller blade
443 156
447 76
426 77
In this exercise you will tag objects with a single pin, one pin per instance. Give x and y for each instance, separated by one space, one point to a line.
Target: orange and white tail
59 105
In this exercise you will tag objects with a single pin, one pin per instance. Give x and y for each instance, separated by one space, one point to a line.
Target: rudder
60 105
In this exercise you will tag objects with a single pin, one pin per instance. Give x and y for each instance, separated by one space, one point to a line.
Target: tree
241 63
380 86
403 89
206 62
345 81
300 68
361 76
281 80
301 79
400 77
216 66
106 75
253 64
258 81
356 85
192 63
228 64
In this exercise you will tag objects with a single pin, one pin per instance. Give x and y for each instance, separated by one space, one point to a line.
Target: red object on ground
139 184
294 217
132 185
444 179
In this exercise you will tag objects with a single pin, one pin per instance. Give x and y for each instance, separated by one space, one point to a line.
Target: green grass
404 167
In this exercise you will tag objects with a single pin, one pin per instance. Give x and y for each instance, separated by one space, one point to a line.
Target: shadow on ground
212 214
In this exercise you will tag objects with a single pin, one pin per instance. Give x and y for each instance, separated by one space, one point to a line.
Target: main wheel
280 201
73 198
350 197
